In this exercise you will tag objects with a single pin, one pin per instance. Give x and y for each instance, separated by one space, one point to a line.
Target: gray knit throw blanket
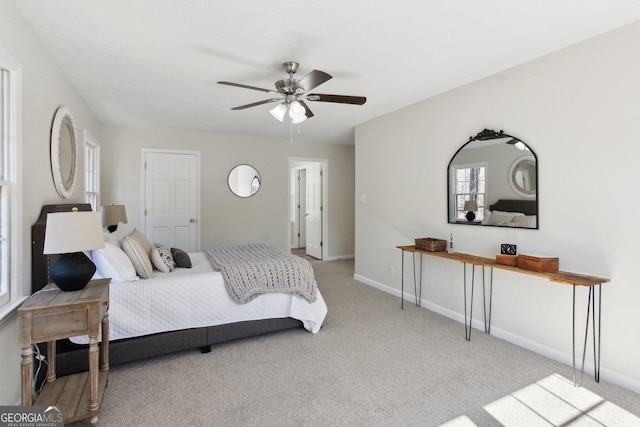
255 269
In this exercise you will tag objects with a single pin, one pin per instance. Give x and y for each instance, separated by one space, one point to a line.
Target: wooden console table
564 277
51 314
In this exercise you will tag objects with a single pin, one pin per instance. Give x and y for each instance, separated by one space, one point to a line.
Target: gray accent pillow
181 258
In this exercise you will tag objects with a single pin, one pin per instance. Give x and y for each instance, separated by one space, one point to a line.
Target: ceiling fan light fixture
278 111
296 109
297 120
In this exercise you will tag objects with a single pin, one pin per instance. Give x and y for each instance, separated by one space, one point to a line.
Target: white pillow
97 274
526 221
111 239
500 218
120 232
138 255
487 215
114 263
137 235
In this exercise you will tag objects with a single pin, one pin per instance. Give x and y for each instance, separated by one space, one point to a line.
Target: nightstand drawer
58 324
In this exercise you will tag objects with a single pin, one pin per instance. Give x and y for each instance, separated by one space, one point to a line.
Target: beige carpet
371 364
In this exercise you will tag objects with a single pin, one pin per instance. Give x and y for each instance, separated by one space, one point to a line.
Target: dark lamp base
470 216
72 272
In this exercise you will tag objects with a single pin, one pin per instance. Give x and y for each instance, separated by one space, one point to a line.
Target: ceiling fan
291 91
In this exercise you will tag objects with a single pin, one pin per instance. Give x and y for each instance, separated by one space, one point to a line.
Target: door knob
192 220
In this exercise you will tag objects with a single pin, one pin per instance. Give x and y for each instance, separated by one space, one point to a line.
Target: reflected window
255 185
469 182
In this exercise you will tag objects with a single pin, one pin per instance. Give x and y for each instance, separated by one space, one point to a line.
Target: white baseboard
339 257
611 376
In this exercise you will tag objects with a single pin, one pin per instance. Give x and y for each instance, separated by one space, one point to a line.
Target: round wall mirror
244 181
63 152
522 177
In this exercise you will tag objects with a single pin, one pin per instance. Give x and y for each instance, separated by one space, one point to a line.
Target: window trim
17 286
90 140
452 182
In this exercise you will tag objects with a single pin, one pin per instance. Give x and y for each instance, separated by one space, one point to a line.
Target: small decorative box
503 259
430 244
541 264
508 249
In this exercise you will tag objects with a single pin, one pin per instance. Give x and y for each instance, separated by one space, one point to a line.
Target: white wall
44 89
226 218
578 110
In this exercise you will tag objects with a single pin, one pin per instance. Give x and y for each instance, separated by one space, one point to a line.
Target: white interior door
301 208
314 211
171 199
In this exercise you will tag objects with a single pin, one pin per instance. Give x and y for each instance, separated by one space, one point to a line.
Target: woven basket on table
430 244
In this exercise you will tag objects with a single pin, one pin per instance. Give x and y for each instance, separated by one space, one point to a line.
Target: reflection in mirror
244 181
63 152
66 152
522 177
493 180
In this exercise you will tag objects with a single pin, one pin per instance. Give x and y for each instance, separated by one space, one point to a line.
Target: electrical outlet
391 272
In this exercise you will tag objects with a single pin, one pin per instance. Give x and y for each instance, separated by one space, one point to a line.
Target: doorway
308 206
171 198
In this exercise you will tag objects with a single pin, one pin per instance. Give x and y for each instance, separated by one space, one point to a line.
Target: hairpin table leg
467 327
487 318
592 302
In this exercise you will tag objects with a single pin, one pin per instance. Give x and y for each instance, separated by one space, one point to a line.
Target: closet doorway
307 206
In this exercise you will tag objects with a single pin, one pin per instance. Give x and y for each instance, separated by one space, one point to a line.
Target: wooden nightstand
50 315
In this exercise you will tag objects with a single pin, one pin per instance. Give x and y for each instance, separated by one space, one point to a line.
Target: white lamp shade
69 232
278 111
471 205
114 214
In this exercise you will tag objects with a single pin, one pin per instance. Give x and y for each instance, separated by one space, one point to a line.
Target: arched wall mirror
493 180
244 181
63 152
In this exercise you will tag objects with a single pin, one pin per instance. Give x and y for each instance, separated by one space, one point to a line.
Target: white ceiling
155 63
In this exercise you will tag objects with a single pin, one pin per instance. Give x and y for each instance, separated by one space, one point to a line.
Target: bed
512 213
184 309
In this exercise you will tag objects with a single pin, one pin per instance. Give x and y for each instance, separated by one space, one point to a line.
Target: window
11 281
91 171
469 182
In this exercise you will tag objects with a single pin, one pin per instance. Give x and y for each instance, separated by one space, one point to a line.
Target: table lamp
112 215
68 234
470 206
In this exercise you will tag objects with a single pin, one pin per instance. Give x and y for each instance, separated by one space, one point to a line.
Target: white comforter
195 297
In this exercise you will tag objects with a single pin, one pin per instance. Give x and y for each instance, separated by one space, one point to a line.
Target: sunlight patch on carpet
555 401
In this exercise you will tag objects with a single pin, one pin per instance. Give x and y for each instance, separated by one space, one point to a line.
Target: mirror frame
488 134
251 182
63 120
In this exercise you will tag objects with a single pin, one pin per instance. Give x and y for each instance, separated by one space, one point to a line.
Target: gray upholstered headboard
41 263
527 207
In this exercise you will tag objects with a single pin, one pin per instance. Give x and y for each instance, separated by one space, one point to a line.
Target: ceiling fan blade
341 99
312 80
248 87
307 111
255 104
